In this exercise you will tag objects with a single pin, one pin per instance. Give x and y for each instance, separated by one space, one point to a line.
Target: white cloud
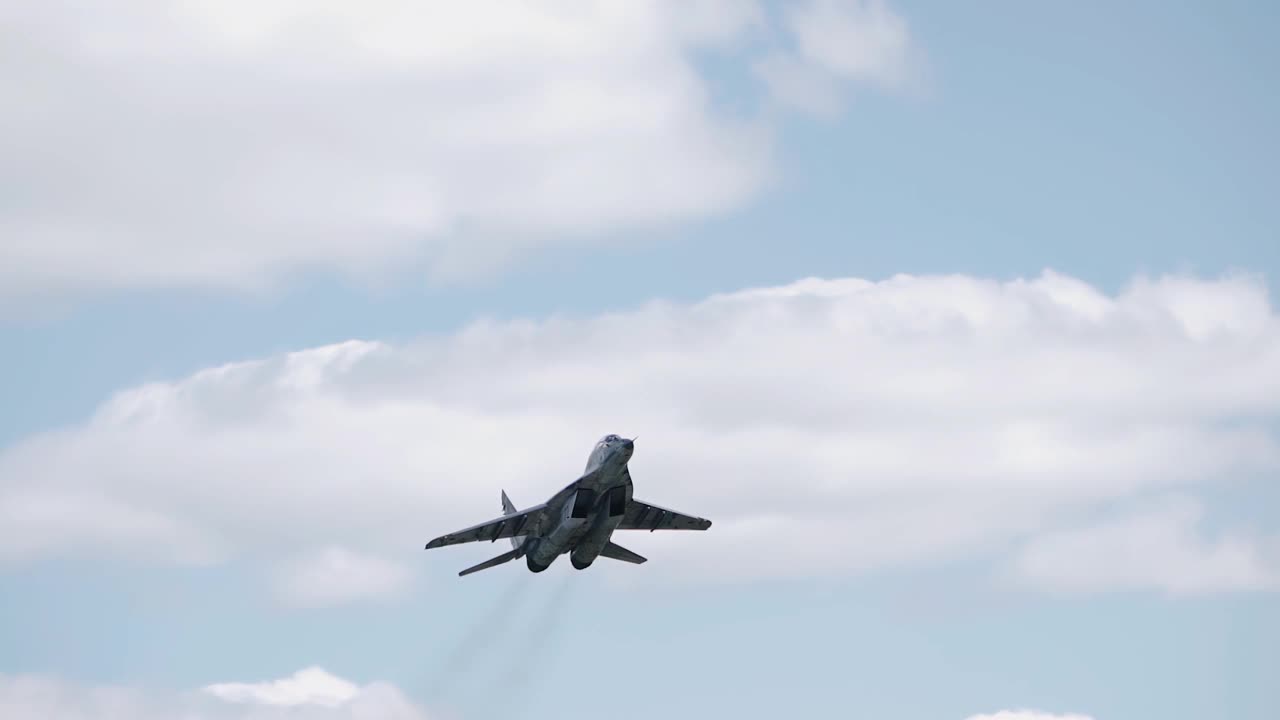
311 686
336 576
1028 715
1159 547
826 427
229 143
311 694
233 143
837 42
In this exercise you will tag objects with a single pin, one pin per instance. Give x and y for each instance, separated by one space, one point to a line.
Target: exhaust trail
526 657
483 634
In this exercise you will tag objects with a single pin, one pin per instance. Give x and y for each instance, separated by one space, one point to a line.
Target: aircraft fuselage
578 520
587 519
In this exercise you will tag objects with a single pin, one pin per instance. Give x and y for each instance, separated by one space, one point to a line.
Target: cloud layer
867 424
1159 547
310 686
232 143
310 694
336 576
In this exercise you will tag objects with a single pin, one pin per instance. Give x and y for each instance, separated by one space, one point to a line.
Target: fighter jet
578 520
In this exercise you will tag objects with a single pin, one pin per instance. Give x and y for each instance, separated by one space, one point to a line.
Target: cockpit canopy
610 438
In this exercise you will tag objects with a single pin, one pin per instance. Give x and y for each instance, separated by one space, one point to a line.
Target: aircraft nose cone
628 445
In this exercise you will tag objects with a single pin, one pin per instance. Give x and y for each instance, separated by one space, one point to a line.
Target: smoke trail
525 657
482 635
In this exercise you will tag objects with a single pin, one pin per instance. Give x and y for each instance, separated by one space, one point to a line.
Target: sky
957 321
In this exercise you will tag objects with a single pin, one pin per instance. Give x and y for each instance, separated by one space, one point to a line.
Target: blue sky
1104 143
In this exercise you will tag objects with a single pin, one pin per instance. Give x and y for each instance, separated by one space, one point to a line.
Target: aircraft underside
583 530
579 520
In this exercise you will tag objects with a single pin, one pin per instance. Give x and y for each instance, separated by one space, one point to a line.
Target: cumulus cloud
310 694
227 143
233 143
311 686
1160 547
888 424
1028 715
336 576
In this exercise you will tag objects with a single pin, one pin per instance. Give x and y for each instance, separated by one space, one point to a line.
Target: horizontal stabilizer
503 558
617 552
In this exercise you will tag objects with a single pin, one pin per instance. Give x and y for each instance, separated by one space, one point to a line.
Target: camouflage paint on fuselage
588 516
579 520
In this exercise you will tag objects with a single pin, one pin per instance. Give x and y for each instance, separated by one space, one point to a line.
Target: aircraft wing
523 522
643 516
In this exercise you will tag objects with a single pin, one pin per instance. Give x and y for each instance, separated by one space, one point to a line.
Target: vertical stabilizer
509 508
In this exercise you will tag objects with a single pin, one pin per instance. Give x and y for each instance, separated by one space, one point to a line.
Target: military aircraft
579 520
